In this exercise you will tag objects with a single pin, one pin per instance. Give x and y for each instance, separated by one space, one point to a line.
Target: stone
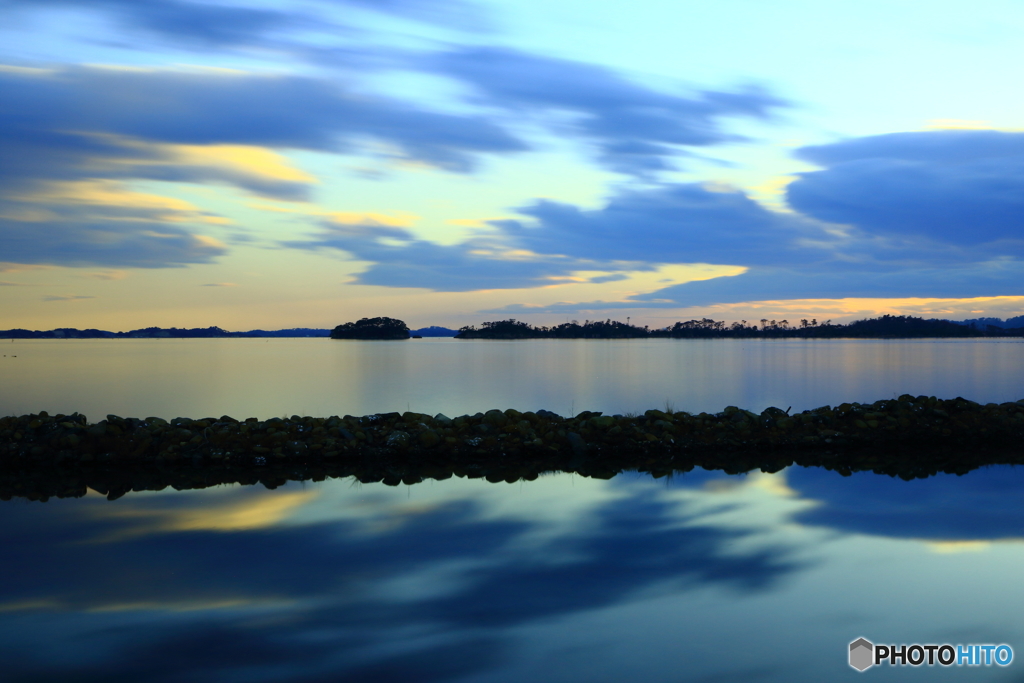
397 439
428 438
576 442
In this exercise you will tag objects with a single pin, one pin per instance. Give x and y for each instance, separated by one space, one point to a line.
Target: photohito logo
864 654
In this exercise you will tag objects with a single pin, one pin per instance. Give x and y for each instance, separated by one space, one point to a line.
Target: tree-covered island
372 328
888 326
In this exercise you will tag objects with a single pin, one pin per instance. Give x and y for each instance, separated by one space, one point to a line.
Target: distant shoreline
996 337
885 327
191 333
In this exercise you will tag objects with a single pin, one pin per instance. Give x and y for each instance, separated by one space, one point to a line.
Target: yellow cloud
773 188
262 513
398 220
958 124
259 513
839 310
208 241
110 193
947 547
561 279
257 161
104 193
107 275
237 160
775 484
579 286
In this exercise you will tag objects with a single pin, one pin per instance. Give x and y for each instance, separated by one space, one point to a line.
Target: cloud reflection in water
310 600
983 505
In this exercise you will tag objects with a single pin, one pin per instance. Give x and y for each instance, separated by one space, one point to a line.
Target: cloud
838 280
637 130
616 277
399 259
6 267
66 298
203 24
111 200
635 231
108 275
76 239
88 223
219 284
931 214
959 187
686 223
787 255
203 107
934 214
450 13
68 134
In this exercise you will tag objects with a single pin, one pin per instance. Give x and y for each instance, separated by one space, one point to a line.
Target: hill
434 331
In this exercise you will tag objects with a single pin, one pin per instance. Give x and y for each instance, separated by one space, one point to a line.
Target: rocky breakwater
909 437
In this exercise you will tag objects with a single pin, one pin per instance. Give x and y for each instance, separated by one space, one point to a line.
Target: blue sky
269 164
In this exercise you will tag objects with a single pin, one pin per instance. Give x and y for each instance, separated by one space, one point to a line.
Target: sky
265 164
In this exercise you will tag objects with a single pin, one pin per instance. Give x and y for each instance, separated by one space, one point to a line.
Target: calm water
270 378
701 577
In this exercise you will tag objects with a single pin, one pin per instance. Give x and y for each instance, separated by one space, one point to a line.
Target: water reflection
986 505
562 578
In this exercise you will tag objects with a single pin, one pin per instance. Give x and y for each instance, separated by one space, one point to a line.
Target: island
372 328
885 327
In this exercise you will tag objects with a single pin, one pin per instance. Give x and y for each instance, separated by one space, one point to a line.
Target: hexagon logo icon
862 654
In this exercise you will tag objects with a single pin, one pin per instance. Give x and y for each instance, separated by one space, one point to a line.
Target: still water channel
697 577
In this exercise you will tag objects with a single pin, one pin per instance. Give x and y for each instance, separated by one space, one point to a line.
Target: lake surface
701 577
320 377
696 577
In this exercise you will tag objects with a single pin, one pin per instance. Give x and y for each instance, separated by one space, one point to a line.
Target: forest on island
887 326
